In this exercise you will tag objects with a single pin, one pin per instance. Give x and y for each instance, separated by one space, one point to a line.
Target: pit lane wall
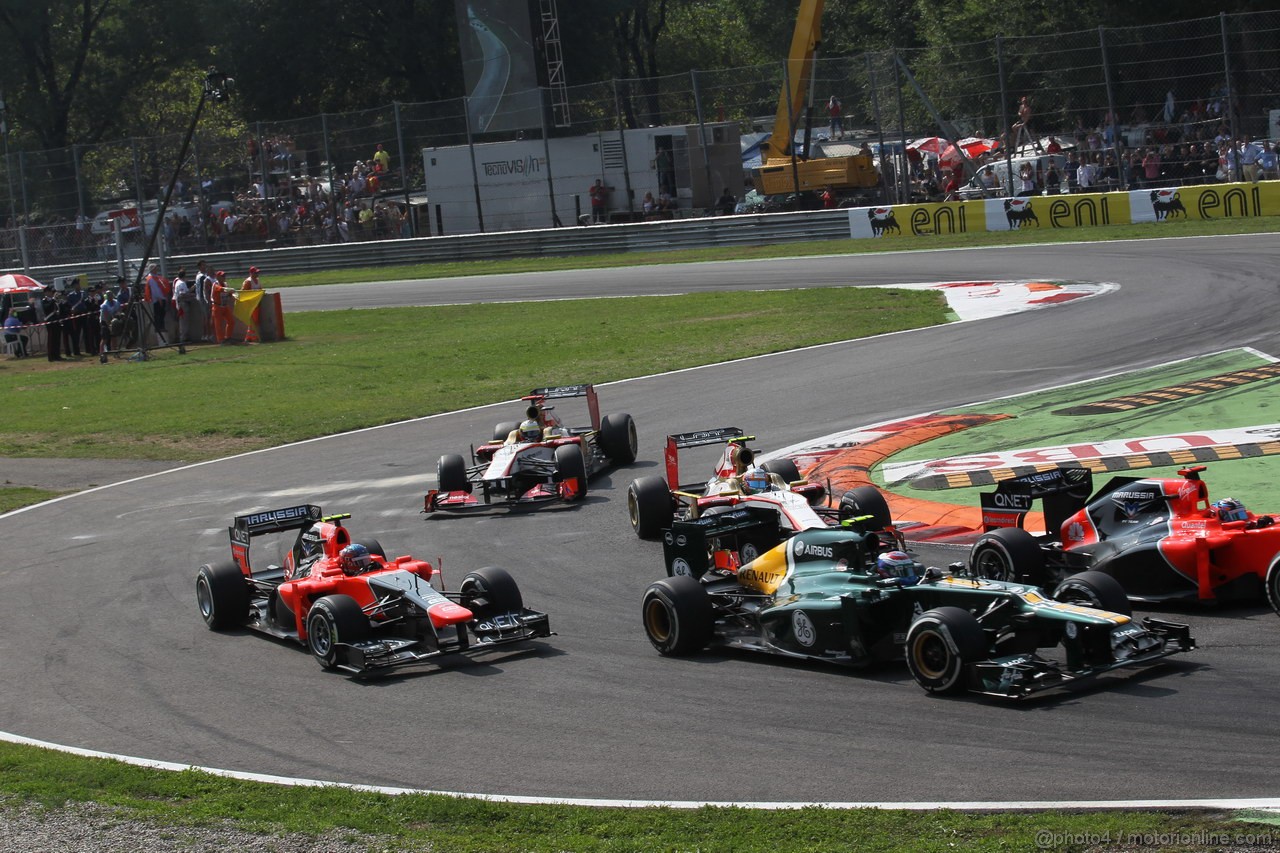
1211 201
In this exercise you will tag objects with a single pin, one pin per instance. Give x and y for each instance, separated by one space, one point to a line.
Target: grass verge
12 497
430 822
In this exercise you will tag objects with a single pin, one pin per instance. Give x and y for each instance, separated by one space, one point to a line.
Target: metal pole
904 168
1010 141
475 175
8 173
1111 102
75 165
546 155
137 176
333 193
702 134
791 129
404 171
875 105
262 158
622 141
202 217
1231 107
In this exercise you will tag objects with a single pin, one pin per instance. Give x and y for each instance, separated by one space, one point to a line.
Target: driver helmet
354 559
756 480
1230 509
530 430
895 564
312 544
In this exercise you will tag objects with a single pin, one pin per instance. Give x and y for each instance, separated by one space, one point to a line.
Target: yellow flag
246 302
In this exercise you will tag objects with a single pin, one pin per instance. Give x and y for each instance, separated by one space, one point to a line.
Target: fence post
137 176
202 216
791 128
26 211
262 159
1231 106
1111 120
75 166
875 105
904 166
404 172
546 154
702 134
475 176
622 139
329 164
1005 130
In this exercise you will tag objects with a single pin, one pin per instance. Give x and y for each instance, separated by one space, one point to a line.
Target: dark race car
535 462
1161 539
744 508
351 606
824 595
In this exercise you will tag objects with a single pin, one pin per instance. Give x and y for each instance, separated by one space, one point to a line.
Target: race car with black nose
746 506
354 608
1162 539
826 595
541 460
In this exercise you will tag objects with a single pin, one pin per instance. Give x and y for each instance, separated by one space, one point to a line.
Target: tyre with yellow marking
941 643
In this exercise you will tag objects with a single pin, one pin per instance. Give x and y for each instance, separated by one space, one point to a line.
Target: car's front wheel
1273 584
866 500
569 463
941 643
451 474
331 621
1094 589
677 613
222 594
490 591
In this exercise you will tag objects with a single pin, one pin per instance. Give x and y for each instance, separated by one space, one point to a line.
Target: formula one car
824 595
351 606
538 461
728 511
1161 539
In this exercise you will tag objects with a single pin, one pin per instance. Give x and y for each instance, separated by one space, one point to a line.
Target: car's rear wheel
649 506
504 429
941 643
866 500
1094 589
331 621
569 463
222 594
451 474
1008 554
618 438
1273 584
490 591
677 613
784 468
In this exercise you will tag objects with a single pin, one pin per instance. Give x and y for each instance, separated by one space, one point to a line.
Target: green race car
831 595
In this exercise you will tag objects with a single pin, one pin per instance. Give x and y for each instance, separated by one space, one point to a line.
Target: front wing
369 657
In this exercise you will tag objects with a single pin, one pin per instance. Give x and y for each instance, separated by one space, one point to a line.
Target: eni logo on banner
1212 201
916 219
1056 211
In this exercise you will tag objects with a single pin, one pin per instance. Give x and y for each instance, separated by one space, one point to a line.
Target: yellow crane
783 170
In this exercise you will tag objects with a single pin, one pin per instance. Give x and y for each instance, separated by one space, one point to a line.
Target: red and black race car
540 460
355 609
1162 539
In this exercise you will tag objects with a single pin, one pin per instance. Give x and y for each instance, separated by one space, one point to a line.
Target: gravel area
91 828
73 475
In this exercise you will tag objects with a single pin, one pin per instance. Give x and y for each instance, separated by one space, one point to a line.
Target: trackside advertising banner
1211 201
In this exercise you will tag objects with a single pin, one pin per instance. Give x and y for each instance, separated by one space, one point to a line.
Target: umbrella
931 144
972 146
19 283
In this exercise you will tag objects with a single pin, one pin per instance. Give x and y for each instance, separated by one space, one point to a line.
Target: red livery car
354 608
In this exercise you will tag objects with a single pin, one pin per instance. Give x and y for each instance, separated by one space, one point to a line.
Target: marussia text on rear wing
1063 490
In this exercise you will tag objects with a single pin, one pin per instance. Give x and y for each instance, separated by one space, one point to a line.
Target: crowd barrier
1154 204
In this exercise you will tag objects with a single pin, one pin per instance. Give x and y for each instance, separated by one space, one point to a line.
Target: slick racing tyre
677 615
649 506
1008 554
1273 584
489 592
222 594
866 500
1094 589
504 429
451 474
941 643
373 545
569 463
784 468
618 438
332 620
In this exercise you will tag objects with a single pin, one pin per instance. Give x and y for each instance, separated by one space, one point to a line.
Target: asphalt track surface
102 647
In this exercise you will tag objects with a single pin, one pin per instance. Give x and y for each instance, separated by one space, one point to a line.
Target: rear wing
565 392
701 438
687 544
245 527
1063 490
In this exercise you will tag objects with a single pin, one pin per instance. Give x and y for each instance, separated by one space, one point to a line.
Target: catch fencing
1116 94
